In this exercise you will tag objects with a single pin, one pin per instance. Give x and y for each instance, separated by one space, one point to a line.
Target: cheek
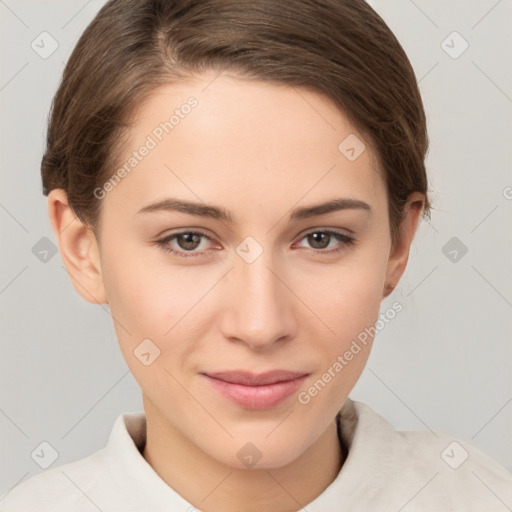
146 297
350 305
144 306
352 297
161 303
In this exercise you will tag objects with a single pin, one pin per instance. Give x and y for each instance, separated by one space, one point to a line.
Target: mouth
256 391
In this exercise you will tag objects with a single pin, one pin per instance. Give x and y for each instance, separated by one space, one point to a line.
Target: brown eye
321 241
188 241
185 243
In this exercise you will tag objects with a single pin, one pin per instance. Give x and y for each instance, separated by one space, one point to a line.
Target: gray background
444 363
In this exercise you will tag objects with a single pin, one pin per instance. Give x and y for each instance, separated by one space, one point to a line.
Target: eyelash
346 241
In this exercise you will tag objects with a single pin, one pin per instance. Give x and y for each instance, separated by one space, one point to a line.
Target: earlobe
78 248
399 255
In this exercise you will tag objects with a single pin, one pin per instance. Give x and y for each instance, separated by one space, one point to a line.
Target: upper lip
256 379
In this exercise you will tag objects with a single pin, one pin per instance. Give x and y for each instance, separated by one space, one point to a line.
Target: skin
258 150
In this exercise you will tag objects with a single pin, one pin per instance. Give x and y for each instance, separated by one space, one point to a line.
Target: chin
260 453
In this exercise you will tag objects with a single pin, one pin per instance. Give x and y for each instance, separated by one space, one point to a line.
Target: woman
241 183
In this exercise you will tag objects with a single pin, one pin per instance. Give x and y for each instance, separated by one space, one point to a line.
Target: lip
256 391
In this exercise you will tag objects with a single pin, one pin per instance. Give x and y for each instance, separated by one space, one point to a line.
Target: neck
217 486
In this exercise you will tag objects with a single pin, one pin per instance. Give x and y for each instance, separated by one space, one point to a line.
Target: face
212 251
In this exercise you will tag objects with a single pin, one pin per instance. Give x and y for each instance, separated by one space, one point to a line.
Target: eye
184 243
322 239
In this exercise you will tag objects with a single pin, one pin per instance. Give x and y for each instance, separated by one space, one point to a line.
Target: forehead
219 138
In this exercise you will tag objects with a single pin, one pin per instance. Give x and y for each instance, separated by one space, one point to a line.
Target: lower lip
257 397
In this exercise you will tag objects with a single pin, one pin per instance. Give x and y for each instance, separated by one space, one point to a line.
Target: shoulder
60 488
425 469
454 473
79 485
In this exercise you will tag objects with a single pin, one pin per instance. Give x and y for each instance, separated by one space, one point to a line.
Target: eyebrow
218 213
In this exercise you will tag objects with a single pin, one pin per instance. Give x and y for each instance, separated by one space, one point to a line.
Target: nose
259 309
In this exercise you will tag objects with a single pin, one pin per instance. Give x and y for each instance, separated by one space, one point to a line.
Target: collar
362 433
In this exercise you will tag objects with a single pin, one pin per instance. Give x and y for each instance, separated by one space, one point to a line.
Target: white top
385 470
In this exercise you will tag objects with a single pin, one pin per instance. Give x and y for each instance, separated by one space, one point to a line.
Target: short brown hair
341 49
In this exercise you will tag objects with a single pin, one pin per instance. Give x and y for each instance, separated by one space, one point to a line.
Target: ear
78 248
399 254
